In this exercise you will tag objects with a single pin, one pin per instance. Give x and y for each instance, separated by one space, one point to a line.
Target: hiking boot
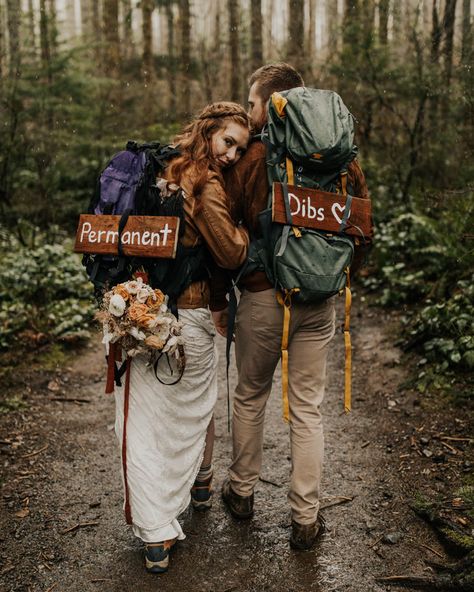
201 495
240 506
304 536
157 556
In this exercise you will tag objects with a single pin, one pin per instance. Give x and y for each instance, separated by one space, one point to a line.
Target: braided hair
195 141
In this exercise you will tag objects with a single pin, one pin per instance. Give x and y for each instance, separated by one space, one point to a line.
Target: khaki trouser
259 328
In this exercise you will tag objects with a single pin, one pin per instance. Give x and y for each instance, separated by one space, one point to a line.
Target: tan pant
259 328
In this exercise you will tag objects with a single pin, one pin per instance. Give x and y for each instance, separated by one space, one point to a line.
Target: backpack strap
347 346
285 300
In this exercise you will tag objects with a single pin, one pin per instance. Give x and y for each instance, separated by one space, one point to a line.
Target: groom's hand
220 320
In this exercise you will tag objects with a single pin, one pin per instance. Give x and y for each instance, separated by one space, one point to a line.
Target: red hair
195 142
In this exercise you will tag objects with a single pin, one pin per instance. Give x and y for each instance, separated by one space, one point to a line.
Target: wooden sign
312 208
143 236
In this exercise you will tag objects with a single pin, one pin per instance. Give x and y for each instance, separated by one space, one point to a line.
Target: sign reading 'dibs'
322 210
143 236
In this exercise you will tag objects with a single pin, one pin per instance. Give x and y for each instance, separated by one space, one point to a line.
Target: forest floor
62 525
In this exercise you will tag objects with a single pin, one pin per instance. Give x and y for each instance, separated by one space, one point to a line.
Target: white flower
137 334
162 331
109 336
134 286
171 344
142 295
117 305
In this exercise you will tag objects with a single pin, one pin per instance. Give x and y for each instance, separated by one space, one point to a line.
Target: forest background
78 78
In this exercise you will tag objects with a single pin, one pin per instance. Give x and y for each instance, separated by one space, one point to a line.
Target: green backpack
309 139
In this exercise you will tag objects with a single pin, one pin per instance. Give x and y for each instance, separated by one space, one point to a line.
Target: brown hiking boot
240 506
304 536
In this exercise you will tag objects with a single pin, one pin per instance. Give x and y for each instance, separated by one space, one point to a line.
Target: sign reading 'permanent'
143 236
322 210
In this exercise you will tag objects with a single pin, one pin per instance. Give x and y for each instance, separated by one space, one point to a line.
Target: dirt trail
62 526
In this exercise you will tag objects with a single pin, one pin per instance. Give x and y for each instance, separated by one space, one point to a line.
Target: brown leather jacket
208 220
247 188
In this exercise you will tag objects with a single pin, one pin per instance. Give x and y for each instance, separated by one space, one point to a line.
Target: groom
258 336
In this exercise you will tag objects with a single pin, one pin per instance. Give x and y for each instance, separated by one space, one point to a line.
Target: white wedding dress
166 431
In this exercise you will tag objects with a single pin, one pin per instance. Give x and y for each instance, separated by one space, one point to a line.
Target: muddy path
62 526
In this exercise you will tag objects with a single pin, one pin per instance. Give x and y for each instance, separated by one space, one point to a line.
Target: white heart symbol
337 206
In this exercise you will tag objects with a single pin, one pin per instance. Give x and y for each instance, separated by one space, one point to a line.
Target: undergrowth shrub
44 294
424 264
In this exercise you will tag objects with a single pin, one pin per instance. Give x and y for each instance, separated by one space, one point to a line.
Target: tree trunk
45 38
147 32
86 20
69 24
171 59
384 8
256 34
3 48
448 30
332 25
14 17
368 13
296 53
466 48
351 25
312 31
97 29
128 48
111 38
435 34
185 34
233 7
31 29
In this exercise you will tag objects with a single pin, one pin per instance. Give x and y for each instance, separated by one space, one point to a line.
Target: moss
52 358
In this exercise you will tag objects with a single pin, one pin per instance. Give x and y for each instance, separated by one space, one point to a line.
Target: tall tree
69 24
436 32
97 29
448 33
45 40
185 66
332 26
384 8
128 47
466 47
14 17
110 23
296 53
31 28
53 28
171 56
312 30
3 51
235 90
351 24
256 42
147 33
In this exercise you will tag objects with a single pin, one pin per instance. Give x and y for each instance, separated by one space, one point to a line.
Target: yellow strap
347 345
279 103
285 301
289 171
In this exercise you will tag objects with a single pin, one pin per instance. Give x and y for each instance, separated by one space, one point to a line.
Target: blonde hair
195 141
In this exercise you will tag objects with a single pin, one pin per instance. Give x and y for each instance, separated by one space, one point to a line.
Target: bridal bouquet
136 316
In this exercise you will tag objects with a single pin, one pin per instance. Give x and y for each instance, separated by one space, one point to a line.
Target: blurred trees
76 84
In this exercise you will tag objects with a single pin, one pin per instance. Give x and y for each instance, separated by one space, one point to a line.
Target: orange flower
122 292
154 341
136 310
144 319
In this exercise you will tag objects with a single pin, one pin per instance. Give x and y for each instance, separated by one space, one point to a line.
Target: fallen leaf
53 386
22 513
